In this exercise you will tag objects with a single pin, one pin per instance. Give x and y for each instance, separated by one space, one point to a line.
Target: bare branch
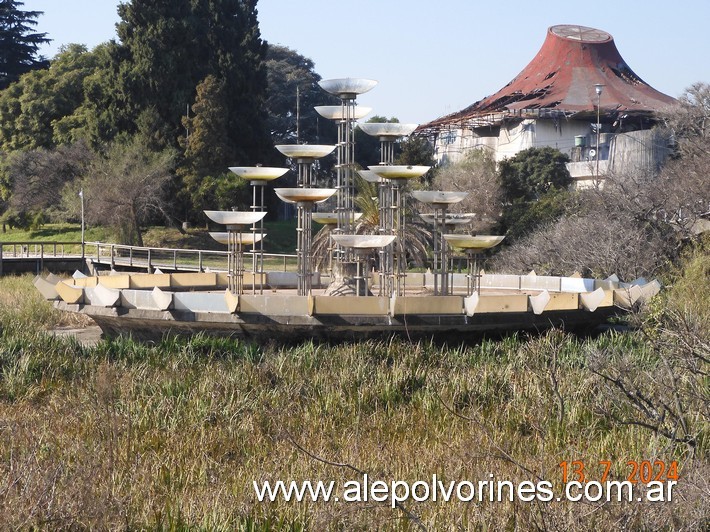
410 515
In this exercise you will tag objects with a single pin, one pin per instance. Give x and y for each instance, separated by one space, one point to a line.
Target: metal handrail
39 249
153 254
99 251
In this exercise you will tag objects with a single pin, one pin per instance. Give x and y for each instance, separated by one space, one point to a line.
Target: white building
577 80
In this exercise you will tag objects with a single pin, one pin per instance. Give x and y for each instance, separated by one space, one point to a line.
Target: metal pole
598 88
83 243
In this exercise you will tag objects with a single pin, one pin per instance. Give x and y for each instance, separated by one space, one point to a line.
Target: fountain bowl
305 151
347 87
258 173
364 241
473 242
246 239
399 172
369 176
451 218
235 217
335 112
437 197
307 195
388 129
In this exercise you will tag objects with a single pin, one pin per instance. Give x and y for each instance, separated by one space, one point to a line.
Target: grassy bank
63 232
281 236
172 435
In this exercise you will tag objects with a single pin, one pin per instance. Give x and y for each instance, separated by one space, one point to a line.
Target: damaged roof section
561 78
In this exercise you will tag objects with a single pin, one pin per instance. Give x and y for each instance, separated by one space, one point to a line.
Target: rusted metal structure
553 102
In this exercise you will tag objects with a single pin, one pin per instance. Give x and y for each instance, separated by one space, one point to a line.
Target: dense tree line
192 82
18 43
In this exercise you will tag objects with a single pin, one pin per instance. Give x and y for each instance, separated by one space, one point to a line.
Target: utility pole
83 225
598 88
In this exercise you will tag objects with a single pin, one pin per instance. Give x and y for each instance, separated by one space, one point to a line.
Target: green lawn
281 236
63 232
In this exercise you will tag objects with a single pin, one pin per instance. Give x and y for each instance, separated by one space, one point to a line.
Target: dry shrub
633 226
475 174
593 244
667 394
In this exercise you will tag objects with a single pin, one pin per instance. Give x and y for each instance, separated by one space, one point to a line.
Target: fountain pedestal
235 240
347 89
473 245
440 201
304 198
394 265
258 176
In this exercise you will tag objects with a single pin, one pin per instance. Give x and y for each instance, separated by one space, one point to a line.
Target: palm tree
418 239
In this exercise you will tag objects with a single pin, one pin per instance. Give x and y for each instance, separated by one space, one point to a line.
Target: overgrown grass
171 435
23 308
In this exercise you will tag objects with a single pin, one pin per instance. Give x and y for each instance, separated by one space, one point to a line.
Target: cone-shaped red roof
563 75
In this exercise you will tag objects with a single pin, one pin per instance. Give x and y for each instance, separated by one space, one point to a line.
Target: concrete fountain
395 300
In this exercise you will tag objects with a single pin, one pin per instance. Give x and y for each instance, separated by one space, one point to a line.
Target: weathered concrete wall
634 151
36 265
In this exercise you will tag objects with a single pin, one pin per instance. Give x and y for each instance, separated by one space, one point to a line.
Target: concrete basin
473 241
399 172
258 173
235 217
297 195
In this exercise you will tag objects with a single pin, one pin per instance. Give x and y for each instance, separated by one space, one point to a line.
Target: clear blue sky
435 57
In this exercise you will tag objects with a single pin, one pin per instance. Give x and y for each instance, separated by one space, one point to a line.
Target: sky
432 58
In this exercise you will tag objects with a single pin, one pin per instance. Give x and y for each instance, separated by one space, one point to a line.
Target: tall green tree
290 76
207 184
18 43
38 111
207 145
169 46
415 151
534 172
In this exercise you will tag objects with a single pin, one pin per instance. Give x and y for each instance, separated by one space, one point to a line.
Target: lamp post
81 195
598 88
